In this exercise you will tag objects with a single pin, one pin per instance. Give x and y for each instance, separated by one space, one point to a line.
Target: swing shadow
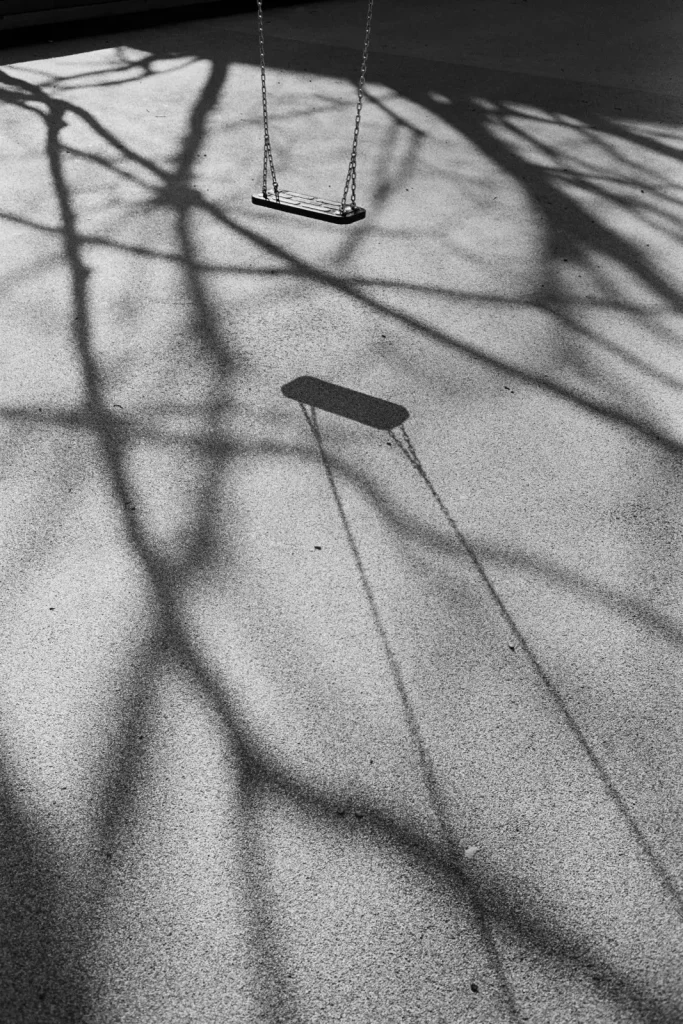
427 770
353 405
256 768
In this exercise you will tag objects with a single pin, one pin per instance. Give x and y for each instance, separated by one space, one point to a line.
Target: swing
342 212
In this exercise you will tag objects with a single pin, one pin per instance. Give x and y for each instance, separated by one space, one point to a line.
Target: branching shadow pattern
504 119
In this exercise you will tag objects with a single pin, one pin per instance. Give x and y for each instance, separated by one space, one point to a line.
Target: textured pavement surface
302 721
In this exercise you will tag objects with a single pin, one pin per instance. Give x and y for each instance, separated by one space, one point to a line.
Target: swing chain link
351 173
267 148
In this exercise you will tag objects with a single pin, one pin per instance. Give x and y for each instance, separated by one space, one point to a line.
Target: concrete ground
301 723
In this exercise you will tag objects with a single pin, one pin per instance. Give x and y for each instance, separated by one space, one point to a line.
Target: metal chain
267 149
351 173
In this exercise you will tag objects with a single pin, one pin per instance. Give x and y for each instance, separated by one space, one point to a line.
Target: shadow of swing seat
354 405
308 206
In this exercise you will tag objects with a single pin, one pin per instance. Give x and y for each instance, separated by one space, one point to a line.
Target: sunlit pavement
303 721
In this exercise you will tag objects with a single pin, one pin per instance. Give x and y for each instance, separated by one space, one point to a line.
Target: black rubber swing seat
308 206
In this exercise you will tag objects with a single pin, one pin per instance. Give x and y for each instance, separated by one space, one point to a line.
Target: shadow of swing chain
426 764
403 442
434 797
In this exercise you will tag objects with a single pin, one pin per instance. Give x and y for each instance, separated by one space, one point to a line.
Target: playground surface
304 720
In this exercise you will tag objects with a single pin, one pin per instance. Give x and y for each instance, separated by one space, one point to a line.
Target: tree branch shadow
175 192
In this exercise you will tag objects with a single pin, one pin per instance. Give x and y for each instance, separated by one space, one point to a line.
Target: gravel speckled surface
303 721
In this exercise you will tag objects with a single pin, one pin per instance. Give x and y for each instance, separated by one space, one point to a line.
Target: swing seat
308 206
